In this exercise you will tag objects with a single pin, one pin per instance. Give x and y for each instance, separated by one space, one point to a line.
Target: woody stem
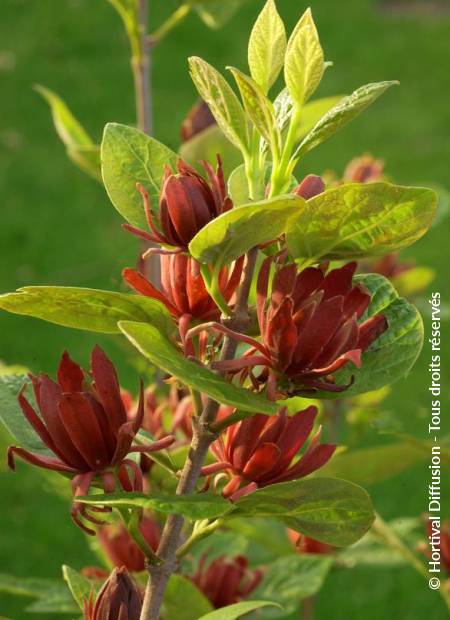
201 441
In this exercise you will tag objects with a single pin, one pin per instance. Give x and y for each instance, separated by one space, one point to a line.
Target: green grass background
58 227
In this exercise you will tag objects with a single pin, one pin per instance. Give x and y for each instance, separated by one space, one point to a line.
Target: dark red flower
119 599
86 427
197 120
307 545
120 547
226 580
310 328
364 169
390 266
183 291
260 450
187 203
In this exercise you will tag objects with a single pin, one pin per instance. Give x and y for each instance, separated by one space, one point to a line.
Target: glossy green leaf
361 219
304 65
232 612
130 156
205 145
198 506
393 354
294 577
267 47
162 352
331 510
85 308
233 233
183 600
222 101
79 145
80 587
11 415
370 465
258 107
341 114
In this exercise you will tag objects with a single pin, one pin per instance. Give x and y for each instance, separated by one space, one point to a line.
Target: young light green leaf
313 111
293 577
257 105
80 587
361 219
162 352
304 65
130 156
267 47
222 101
85 308
235 232
198 506
341 114
80 148
393 354
183 600
232 612
336 512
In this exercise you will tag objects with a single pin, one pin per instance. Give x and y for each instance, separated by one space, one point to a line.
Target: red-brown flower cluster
310 328
187 203
86 427
260 450
226 581
119 599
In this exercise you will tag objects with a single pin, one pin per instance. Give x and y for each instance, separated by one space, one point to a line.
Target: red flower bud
226 581
120 547
197 120
183 291
119 599
260 450
307 545
86 427
311 186
187 203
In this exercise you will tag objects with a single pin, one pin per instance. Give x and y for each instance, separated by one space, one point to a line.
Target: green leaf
80 148
336 512
51 595
370 465
413 281
88 309
267 47
11 414
79 586
205 145
313 111
222 101
341 114
393 354
130 156
159 350
257 105
233 233
294 577
231 612
183 600
361 219
198 506
304 66
216 13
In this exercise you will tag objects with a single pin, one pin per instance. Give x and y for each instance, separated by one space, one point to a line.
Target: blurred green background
58 227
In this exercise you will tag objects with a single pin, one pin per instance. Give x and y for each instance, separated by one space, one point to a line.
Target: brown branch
202 439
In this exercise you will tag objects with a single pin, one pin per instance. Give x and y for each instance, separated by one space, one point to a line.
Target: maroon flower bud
120 547
364 169
86 427
307 545
119 599
197 120
390 266
260 450
187 203
183 291
311 186
226 581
